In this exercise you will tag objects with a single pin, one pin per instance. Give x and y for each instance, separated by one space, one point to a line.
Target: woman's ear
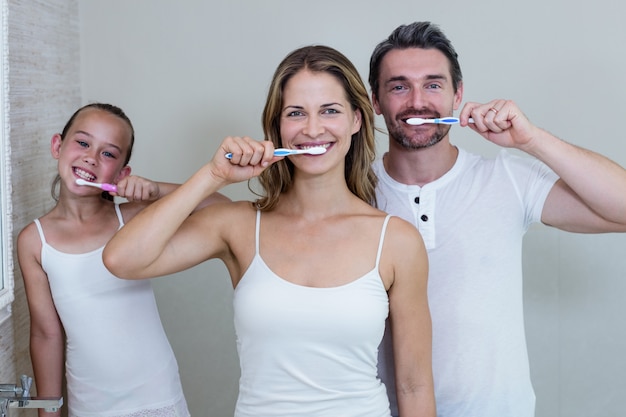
357 121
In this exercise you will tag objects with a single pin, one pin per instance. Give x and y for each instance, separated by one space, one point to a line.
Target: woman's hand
248 159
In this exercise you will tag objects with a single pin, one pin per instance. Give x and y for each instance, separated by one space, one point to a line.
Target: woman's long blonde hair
360 177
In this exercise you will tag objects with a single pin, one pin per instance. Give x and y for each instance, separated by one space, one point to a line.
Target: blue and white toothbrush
318 150
416 121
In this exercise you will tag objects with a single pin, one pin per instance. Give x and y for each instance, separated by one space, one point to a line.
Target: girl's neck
81 207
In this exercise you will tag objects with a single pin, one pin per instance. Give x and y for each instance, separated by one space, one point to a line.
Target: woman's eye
294 113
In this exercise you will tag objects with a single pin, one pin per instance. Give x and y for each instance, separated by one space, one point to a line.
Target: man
473 212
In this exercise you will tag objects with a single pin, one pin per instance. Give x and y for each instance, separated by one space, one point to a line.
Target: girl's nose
89 158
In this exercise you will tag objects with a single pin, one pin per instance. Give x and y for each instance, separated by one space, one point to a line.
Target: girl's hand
135 188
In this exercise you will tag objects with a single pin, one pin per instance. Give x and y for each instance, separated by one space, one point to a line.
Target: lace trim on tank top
169 411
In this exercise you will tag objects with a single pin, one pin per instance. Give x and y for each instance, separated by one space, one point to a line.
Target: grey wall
190 72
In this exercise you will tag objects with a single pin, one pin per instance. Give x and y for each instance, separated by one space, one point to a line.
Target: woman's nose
313 127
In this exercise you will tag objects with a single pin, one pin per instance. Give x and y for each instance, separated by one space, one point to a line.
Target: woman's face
316 112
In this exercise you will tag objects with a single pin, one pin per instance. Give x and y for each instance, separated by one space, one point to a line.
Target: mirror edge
6 225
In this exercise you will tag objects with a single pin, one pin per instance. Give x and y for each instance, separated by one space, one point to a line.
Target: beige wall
44 89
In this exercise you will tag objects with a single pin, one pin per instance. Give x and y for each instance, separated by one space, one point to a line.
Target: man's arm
589 197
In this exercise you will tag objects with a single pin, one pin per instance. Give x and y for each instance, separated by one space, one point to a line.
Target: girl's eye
82 143
108 154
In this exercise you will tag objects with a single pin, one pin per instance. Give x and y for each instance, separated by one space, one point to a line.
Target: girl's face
316 112
94 148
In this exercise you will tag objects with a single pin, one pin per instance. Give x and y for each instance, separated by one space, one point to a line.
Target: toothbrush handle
284 152
277 152
109 187
450 120
446 120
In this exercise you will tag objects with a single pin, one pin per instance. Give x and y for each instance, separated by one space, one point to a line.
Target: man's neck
420 166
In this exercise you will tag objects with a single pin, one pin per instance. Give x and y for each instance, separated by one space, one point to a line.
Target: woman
316 269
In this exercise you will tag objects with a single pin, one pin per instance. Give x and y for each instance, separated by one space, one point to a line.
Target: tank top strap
257 232
40 230
382 239
118 211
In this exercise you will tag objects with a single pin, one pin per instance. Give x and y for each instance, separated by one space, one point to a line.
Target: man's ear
375 104
458 96
55 145
125 172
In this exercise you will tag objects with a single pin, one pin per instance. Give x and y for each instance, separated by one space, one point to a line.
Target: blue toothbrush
416 121
318 150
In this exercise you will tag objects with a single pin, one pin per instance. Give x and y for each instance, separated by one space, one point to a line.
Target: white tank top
118 359
309 351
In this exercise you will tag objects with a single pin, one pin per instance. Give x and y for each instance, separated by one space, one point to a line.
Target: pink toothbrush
104 186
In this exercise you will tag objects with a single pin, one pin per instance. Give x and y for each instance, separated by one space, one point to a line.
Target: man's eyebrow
429 77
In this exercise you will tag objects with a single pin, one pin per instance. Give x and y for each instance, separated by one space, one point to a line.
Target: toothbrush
416 121
285 152
105 187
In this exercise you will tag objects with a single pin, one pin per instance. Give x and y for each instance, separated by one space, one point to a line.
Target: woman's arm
47 339
410 322
163 238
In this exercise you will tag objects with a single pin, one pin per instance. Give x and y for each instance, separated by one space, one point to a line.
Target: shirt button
424 218
417 200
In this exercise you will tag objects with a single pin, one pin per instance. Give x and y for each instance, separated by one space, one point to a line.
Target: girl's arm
410 322
47 339
141 192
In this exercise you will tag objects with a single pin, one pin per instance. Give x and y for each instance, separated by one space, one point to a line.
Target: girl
316 269
118 359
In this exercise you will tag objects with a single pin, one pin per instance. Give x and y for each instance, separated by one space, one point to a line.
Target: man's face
416 82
